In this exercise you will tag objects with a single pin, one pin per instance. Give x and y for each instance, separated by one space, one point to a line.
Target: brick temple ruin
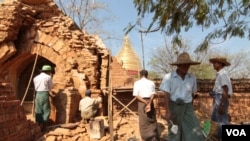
36 32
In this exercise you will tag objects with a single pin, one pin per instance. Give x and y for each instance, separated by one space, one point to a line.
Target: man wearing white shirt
43 85
221 93
144 91
179 88
88 106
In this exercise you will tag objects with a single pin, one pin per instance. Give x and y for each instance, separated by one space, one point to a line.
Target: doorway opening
23 83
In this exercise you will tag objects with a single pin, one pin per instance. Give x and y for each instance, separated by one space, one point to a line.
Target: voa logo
236 132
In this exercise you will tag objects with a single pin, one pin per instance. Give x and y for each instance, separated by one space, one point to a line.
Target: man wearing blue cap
43 85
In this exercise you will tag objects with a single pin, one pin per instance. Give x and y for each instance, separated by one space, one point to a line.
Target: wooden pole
125 106
142 45
110 102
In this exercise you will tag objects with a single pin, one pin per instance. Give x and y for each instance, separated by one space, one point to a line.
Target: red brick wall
239 106
238 110
239 103
15 126
119 75
13 122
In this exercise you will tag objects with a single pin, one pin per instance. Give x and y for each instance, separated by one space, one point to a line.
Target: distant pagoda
128 58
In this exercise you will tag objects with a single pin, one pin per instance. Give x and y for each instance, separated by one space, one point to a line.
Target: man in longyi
43 85
221 93
144 91
179 87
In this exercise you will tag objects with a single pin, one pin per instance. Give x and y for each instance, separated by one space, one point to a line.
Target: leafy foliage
174 16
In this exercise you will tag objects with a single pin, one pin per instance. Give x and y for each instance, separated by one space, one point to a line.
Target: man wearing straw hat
221 93
179 88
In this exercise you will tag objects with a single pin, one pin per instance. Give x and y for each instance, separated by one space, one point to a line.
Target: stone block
58 45
52 41
96 128
7 50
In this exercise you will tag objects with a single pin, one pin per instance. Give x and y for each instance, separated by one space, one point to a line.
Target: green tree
162 57
203 71
154 75
175 16
240 64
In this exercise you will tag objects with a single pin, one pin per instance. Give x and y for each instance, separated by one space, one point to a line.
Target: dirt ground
125 129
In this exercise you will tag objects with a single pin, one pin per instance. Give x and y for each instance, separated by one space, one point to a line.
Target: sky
126 13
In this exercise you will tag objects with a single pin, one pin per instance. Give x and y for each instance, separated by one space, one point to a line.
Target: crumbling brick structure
13 121
36 32
32 35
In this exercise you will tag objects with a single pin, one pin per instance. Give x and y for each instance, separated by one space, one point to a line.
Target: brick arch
80 59
25 54
45 51
62 42
19 65
15 67
61 53
25 86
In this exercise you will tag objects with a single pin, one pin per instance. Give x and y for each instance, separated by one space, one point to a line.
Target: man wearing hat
88 106
222 90
179 88
43 85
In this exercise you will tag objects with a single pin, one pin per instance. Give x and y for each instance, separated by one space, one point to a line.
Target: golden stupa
128 58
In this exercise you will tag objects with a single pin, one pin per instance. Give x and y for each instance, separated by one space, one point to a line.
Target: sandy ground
124 128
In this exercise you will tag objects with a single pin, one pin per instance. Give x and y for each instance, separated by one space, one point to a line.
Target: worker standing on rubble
144 91
43 85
